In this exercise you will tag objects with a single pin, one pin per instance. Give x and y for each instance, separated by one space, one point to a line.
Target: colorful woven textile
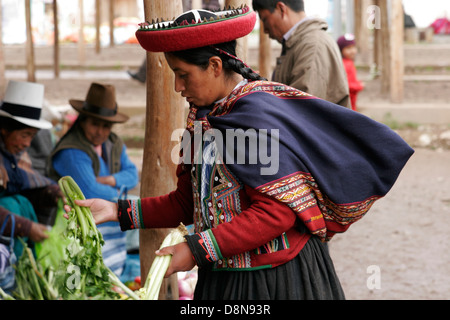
331 163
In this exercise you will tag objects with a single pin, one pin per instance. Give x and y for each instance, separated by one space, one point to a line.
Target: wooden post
337 18
350 16
97 25
265 54
242 43
111 23
362 31
31 68
164 114
55 39
397 53
196 4
377 43
2 60
81 45
384 53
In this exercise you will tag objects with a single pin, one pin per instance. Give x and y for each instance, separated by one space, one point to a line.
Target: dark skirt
309 276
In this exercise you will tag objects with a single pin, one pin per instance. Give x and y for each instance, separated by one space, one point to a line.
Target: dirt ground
399 250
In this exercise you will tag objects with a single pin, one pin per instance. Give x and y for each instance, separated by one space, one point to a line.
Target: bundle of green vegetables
33 281
36 277
158 269
70 265
84 273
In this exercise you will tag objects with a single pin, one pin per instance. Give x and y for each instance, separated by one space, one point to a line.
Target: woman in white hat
23 190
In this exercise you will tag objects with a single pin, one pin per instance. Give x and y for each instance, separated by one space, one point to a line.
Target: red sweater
261 233
354 85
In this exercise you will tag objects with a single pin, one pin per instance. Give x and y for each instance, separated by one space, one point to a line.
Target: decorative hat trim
196 28
220 16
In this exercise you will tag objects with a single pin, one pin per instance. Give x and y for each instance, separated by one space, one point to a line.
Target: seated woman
23 190
96 158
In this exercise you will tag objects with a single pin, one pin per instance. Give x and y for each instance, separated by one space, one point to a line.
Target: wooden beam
397 51
242 43
265 54
111 23
31 68
98 8
337 18
2 59
81 44
362 31
55 40
384 52
196 4
165 113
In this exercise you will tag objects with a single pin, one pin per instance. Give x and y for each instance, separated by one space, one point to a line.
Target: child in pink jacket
348 49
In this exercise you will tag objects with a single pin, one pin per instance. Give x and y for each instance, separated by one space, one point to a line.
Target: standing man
310 59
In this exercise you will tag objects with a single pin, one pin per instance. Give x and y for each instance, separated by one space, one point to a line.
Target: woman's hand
102 210
182 259
38 232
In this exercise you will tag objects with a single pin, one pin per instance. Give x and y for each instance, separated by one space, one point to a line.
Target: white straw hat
23 102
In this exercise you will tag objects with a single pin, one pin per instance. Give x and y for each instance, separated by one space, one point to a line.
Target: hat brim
196 35
78 106
38 124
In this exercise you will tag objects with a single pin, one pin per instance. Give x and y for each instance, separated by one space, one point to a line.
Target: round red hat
195 29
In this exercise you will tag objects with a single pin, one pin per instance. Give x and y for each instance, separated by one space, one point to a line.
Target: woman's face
199 86
18 140
96 131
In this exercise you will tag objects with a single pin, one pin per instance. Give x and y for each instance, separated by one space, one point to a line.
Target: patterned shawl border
302 194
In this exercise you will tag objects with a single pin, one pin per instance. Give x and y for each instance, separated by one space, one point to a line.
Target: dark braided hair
226 51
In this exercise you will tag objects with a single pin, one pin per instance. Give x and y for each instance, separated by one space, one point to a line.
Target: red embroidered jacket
244 229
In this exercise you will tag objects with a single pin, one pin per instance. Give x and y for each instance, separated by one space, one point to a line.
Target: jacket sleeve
264 220
22 224
78 165
166 211
128 174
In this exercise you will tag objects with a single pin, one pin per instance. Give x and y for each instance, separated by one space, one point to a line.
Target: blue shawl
333 163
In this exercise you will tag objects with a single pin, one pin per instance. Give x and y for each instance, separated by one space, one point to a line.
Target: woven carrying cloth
334 163
196 28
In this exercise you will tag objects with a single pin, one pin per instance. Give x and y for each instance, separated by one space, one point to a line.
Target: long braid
237 65
226 51
244 70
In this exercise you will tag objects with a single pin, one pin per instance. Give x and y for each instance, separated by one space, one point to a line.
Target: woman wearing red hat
261 219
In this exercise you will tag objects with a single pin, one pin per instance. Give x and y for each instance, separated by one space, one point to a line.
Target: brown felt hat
100 103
